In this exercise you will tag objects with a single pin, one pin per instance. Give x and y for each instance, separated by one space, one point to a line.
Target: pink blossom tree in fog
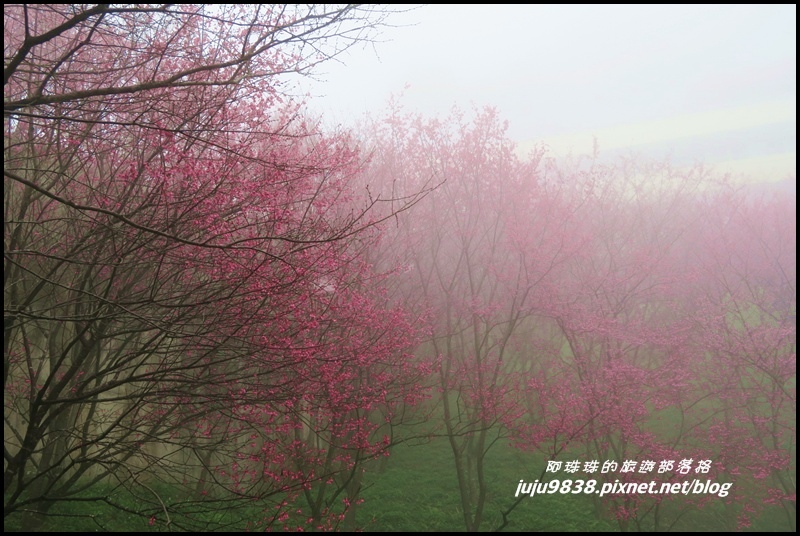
206 293
466 270
747 325
596 312
184 303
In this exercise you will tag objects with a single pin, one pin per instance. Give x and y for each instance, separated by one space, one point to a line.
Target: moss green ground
417 491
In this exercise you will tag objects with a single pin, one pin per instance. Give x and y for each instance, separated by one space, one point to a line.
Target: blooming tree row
184 299
618 311
205 292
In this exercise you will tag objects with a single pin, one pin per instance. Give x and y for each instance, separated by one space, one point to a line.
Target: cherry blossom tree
621 349
176 239
747 321
462 271
653 330
626 311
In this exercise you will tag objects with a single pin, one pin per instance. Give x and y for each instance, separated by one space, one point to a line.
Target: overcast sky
701 83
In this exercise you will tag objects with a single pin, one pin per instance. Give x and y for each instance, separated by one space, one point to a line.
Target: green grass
125 512
90 516
417 491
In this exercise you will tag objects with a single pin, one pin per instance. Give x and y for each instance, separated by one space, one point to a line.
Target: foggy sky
715 84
